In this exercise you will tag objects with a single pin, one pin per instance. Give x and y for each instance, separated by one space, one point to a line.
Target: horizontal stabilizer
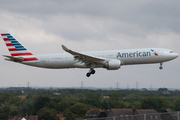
16 59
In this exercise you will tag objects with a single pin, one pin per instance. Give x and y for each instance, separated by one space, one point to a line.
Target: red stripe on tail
13 49
3 34
6 39
9 44
21 54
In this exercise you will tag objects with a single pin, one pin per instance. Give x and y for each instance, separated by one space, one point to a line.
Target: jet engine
112 65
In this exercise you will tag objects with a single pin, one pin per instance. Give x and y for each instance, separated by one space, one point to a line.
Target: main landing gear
161 67
91 71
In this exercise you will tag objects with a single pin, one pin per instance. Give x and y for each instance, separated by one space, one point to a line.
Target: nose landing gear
91 71
161 67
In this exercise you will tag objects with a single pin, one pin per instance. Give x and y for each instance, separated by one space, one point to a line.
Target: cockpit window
171 51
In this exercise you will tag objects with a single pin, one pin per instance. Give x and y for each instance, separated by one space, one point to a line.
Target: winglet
65 48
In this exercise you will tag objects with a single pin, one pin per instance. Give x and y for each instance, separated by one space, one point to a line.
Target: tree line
74 103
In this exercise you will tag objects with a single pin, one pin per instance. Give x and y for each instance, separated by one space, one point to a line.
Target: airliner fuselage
127 57
110 60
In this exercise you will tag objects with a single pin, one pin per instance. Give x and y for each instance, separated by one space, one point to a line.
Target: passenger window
171 51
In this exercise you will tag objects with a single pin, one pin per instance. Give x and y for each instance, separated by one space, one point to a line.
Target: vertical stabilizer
16 49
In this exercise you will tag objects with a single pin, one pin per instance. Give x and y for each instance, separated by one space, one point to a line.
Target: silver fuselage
127 57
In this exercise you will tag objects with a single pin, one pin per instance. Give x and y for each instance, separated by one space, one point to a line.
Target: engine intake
112 65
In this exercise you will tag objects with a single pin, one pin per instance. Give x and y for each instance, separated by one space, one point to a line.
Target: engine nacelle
112 65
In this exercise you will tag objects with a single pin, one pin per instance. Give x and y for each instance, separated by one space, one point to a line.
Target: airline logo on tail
155 53
16 49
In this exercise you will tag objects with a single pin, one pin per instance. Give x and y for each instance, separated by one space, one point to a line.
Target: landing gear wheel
93 71
160 67
88 74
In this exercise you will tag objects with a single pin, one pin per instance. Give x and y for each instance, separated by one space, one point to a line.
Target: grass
22 96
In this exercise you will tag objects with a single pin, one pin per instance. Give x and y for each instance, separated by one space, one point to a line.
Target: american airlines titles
133 54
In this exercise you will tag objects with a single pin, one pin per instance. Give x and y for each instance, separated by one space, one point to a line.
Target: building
31 117
151 114
107 97
97 113
56 93
93 113
168 115
121 114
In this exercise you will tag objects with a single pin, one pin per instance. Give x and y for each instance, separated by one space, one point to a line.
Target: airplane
110 60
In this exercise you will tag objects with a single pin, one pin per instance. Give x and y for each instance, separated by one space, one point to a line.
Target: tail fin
16 49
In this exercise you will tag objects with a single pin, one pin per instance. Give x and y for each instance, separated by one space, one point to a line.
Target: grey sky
42 26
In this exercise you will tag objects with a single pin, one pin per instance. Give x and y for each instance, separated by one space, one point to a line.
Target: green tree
162 89
105 105
177 104
40 103
29 96
133 98
14 113
115 97
92 99
135 105
117 104
9 98
6 109
159 104
115 101
3 114
51 105
57 99
26 107
66 103
69 115
63 105
47 114
80 109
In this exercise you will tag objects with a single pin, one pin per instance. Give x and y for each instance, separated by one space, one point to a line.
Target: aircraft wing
87 59
17 59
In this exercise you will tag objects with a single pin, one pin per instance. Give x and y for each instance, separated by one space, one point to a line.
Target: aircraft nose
176 55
